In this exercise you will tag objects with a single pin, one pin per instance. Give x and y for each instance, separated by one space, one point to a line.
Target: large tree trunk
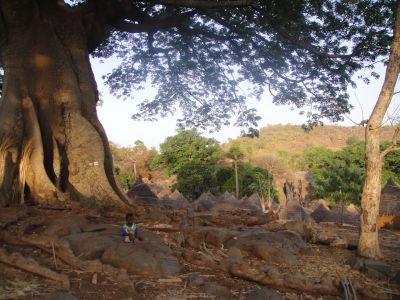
51 142
368 245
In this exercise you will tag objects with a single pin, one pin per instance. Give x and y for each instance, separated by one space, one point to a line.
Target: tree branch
153 24
393 146
204 3
311 48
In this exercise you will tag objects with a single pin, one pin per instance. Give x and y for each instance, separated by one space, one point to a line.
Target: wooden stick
18 261
54 255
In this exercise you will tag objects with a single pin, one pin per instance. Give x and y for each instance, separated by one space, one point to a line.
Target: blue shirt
128 229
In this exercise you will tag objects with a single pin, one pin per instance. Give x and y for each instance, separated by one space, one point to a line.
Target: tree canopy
205 57
340 175
186 146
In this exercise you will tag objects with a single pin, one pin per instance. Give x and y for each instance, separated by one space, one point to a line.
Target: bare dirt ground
321 262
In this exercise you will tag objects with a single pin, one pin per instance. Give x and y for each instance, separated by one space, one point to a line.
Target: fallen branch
18 261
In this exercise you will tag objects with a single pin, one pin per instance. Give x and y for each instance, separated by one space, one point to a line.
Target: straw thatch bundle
389 208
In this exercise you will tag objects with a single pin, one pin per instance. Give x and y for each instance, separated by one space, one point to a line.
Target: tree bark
368 245
236 179
51 142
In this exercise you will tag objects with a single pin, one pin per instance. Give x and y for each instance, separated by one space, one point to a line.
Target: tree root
63 252
272 277
30 265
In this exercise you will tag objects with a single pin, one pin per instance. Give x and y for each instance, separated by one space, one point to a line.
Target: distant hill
287 140
280 148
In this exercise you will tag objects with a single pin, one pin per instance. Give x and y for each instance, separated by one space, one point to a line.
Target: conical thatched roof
321 212
390 199
254 201
141 192
205 202
351 216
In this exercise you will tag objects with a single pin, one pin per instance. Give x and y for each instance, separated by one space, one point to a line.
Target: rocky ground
209 252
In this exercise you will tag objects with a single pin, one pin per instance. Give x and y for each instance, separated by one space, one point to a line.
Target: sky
115 114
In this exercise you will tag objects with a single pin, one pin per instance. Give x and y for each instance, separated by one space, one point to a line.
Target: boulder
210 235
263 294
374 268
303 229
271 254
278 247
91 245
194 280
56 296
66 225
143 258
215 289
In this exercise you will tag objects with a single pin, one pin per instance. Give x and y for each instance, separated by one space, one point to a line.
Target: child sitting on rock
130 230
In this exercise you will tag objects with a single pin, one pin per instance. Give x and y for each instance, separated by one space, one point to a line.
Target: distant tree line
199 164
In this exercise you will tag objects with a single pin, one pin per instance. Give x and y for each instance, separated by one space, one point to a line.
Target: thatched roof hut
321 211
389 208
390 199
351 215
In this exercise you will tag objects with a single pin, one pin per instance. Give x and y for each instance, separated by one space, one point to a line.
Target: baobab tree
197 52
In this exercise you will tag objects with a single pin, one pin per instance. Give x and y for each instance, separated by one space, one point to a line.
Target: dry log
18 261
273 278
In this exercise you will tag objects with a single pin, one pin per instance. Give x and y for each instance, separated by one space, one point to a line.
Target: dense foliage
186 146
196 177
251 180
199 167
339 176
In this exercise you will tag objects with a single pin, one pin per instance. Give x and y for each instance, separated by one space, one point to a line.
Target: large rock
66 225
214 289
210 235
275 247
374 268
143 258
91 245
263 294
302 228
56 296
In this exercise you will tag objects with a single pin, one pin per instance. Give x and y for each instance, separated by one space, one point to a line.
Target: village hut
350 216
320 210
205 202
389 208
141 193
